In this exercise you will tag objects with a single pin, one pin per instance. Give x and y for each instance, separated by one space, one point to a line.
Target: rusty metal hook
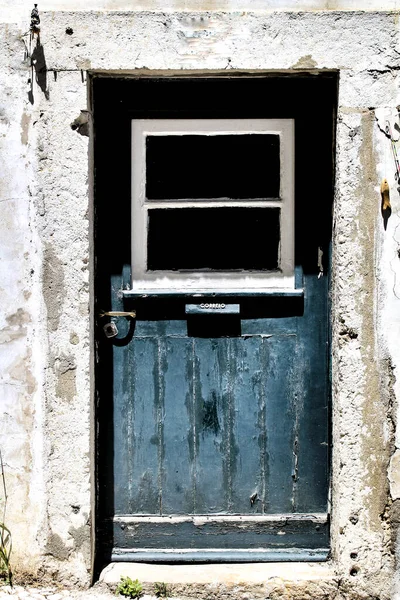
118 313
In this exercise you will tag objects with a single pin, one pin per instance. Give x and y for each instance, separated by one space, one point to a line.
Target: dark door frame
310 98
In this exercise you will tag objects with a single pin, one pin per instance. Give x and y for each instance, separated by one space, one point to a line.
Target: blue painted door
213 438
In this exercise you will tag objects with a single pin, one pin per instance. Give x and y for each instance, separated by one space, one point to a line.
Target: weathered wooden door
213 403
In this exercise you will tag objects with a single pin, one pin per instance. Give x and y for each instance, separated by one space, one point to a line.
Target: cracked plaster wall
15 11
45 429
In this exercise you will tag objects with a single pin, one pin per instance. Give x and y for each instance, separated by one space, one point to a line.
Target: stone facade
46 262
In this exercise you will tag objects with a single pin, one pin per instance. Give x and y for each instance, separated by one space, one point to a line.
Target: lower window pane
219 239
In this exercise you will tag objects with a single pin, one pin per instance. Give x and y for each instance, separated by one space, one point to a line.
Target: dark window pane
212 166
213 238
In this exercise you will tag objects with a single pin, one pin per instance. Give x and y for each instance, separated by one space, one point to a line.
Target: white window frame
183 282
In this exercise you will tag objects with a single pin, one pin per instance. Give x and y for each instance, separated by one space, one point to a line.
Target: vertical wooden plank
211 401
146 436
178 460
159 328
122 429
311 491
279 384
248 439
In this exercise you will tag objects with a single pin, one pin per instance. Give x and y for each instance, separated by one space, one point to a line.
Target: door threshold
249 574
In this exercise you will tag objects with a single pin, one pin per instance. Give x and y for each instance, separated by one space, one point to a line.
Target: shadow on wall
38 70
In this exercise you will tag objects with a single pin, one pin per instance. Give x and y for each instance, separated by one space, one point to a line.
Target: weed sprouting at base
129 588
5 534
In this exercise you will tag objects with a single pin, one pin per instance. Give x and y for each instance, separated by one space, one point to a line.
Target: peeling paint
65 368
81 537
394 475
16 328
53 286
56 547
74 339
305 62
19 318
375 453
19 370
394 520
26 119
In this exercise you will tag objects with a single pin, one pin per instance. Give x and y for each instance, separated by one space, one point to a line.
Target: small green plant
5 535
129 588
161 589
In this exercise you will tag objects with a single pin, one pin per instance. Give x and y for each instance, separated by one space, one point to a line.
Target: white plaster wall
45 399
45 252
22 345
18 11
388 301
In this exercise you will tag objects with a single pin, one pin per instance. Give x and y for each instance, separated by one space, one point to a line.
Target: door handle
118 313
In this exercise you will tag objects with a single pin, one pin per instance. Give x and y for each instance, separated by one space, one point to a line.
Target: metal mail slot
213 308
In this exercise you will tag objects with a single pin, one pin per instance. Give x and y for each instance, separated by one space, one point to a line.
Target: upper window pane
240 166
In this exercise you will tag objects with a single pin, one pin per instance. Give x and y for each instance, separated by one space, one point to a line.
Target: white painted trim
320 518
214 203
209 281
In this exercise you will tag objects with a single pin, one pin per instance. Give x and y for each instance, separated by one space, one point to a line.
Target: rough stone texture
45 300
64 231
15 11
358 470
244 41
22 361
45 373
240 581
17 592
394 475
